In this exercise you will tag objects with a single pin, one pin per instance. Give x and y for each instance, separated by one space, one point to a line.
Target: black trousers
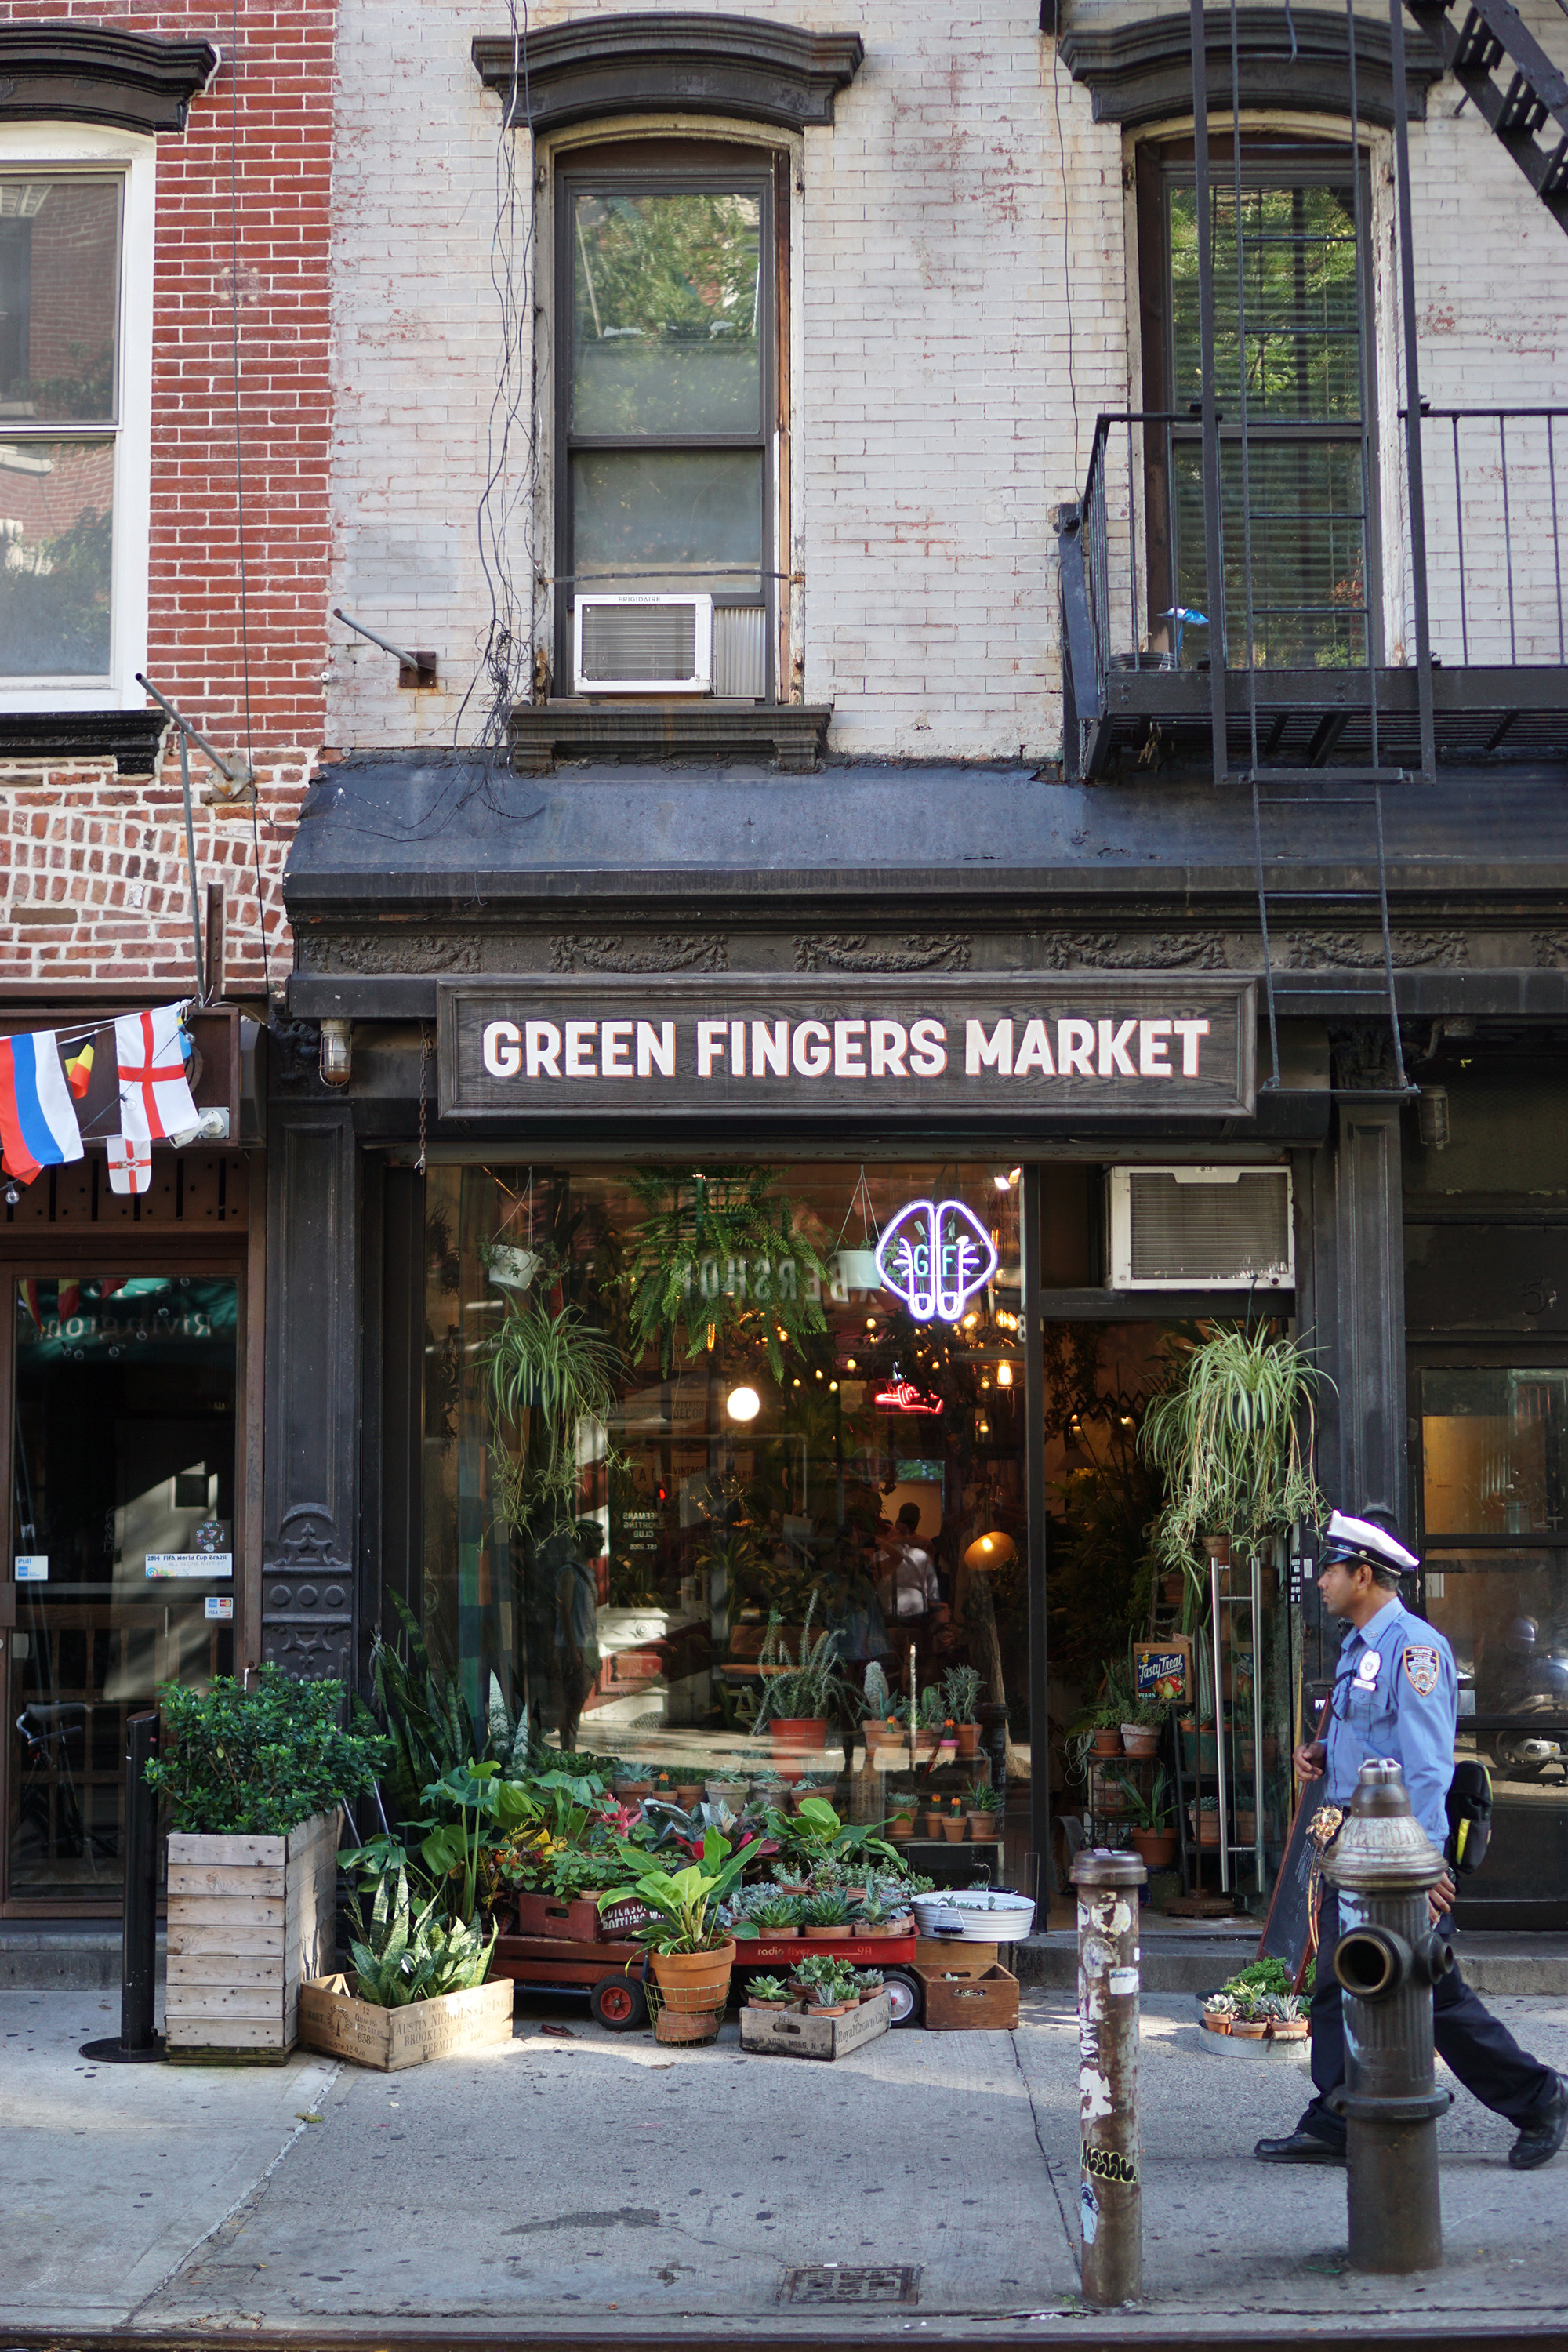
1483 2054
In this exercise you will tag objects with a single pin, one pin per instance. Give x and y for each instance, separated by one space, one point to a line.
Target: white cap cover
1368 1540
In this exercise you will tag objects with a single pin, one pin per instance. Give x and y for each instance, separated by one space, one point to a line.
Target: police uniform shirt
1395 1693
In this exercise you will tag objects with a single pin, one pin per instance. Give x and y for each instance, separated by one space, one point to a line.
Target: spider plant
1235 1438
545 1375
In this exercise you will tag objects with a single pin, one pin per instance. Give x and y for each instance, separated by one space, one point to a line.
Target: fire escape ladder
1528 110
1338 800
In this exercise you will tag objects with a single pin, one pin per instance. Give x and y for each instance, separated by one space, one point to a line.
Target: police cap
1345 1538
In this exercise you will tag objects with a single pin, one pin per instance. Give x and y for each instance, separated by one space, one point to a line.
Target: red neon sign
902 1396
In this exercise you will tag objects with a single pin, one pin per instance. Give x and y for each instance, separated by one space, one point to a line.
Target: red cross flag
154 1099
130 1165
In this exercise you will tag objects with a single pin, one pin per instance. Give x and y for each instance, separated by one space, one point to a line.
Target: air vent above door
1201 1229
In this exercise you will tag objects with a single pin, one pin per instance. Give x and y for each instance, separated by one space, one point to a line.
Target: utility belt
1322 1835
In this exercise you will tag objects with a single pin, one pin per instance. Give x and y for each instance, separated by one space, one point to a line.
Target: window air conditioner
1201 1229
643 644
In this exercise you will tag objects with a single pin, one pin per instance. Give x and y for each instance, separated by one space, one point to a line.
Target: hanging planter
718 1255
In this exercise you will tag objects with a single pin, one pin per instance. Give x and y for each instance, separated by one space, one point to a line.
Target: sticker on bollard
1110 2195
1109 2164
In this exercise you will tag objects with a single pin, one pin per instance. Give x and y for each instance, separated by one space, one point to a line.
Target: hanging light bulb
1003 1375
743 1404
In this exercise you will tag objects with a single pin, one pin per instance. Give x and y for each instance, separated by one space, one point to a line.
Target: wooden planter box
791 2034
333 2017
547 1914
251 1919
984 2002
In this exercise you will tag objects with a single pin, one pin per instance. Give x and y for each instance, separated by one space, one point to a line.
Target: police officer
1396 1694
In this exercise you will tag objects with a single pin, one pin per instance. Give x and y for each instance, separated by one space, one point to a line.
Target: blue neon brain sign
933 1257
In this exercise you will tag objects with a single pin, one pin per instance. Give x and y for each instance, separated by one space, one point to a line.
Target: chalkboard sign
1286 1931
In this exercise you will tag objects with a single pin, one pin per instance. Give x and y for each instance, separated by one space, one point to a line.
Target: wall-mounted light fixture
337 1061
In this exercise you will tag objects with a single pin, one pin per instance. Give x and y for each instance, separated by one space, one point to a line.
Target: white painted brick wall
934 400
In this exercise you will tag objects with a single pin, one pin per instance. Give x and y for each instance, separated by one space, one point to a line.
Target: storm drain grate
850 2283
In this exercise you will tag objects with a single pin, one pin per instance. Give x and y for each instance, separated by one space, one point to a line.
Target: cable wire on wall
505 671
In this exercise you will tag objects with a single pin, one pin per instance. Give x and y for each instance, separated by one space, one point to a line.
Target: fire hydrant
1386 1962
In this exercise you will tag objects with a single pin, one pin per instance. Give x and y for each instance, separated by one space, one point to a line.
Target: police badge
1421 1667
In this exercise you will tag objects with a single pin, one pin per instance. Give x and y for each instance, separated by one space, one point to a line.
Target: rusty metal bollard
1387 1961
1110 2201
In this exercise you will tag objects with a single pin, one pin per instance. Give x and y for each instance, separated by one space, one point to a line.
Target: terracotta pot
933 1824
982 1826
1246 1826
691 1981
954 1831
632 1793
752 2003
1171 1587
1205 1829
831 2008
796 1738
1294 2030
902 1826
686 2025
1215 2024
1155 1848
1139 1740
1106 1743
688 1794
829 1935
870 1995
1249 2029
969 1739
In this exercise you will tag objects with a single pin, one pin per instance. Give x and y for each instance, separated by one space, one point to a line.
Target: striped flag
79 1069
38 1117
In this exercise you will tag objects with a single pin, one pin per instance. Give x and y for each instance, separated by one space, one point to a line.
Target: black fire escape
1173 619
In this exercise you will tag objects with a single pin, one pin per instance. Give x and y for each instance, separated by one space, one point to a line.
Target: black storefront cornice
1142 71
131 739
598 68
467 839
88 73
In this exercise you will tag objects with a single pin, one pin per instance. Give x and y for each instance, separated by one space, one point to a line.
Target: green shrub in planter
258 1763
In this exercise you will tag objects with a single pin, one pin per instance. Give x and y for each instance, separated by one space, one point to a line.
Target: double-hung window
666 388
75 261
1292 323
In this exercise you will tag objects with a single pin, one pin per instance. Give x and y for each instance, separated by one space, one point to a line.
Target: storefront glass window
680 1427
122 1503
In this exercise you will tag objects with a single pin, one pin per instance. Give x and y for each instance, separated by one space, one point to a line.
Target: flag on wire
79 1069
38 1119
155 1102
129 1164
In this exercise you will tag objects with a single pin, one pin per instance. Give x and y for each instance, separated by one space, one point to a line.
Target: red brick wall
72 839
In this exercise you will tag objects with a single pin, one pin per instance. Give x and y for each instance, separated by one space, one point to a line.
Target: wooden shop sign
1018 1045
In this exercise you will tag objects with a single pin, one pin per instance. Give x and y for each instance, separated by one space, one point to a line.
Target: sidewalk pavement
604 2186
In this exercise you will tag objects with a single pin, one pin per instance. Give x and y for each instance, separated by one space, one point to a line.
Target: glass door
122 1547
1494 1484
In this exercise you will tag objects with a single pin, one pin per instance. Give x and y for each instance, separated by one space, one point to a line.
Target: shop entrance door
1494 1498
122 1559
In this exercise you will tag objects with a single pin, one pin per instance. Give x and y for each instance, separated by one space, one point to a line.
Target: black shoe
1538 2143
1305 2147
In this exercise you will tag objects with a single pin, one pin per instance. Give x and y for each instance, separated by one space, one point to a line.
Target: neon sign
902 1396
933 1257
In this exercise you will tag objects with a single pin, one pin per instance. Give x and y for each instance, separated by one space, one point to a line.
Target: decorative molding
655 951
1143 71
1157 952
1362 1057
867 951
1363 951
307 1597
82 73
388 952
599 67
131 738
1551 949
792 734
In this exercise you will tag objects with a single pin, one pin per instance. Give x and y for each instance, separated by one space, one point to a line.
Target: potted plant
1249 2020
777 1914
417 1990
962 1686
690 1951
1234 1437
985 1806
825 1914
767 1992
1154 1839
902 1820
1219 2009
254 1782
804 1691
869 1982
1288 2019
955 1827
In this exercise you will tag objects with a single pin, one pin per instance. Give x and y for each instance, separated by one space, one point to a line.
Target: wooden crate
791 2034
955 1952
251 1919
984 2002
331 2018
546 1915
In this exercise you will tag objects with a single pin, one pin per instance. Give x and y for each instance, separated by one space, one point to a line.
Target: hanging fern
718 1255
545 1374
1236 1438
